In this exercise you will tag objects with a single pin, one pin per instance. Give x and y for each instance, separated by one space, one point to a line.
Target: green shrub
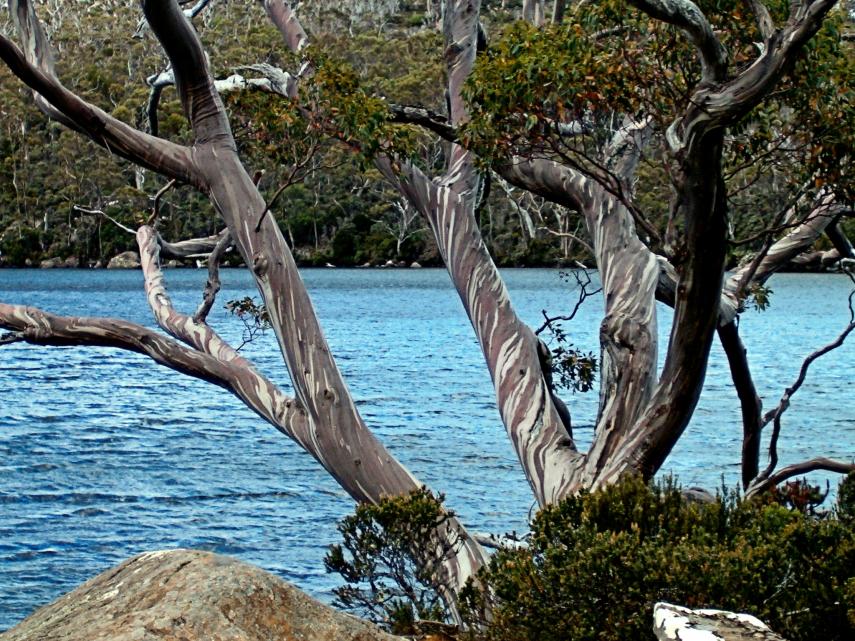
846 499
598 562
390 558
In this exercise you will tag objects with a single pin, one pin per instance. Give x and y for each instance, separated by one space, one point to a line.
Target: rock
50 263
676 623
125 260
187 595
390 263
415 265
698 495
173 263
330 265
71 262
98 265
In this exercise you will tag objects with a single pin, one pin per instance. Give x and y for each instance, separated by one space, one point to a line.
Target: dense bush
598 562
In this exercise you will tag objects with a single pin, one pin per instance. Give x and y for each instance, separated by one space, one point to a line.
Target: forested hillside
62 199
339 211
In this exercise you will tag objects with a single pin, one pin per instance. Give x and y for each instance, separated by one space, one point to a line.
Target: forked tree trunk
542 440
335 433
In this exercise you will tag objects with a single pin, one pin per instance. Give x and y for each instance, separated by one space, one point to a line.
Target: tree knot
260 264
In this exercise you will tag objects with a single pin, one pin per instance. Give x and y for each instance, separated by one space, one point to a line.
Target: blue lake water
104 455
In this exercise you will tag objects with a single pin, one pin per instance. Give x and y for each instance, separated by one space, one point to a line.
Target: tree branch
805 467
430 120
148 151
749 399
37 327
774 415
212 285
715 107
199 97
765 24
284 18
686 15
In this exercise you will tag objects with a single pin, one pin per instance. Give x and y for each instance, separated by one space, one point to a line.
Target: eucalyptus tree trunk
542 439
641 418
328 423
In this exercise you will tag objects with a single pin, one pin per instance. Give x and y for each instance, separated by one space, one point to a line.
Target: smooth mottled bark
749 401
331 428
541 438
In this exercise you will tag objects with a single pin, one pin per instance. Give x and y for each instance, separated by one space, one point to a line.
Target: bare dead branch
155 208
98 212
583 295
567 234
797 469
775 414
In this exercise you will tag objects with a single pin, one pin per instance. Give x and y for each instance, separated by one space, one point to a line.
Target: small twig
267 207
290 180
155 210
584 294
567 234
98 212
775 414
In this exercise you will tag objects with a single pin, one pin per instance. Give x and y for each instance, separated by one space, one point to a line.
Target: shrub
390 556
598 562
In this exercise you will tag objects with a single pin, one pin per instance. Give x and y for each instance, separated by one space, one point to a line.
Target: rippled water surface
104 455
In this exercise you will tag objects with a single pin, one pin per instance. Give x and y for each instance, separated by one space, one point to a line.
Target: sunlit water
104 455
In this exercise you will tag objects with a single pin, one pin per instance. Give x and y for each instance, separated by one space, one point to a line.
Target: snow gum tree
574 110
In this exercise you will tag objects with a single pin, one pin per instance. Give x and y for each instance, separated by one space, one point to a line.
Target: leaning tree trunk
540 436
336 434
